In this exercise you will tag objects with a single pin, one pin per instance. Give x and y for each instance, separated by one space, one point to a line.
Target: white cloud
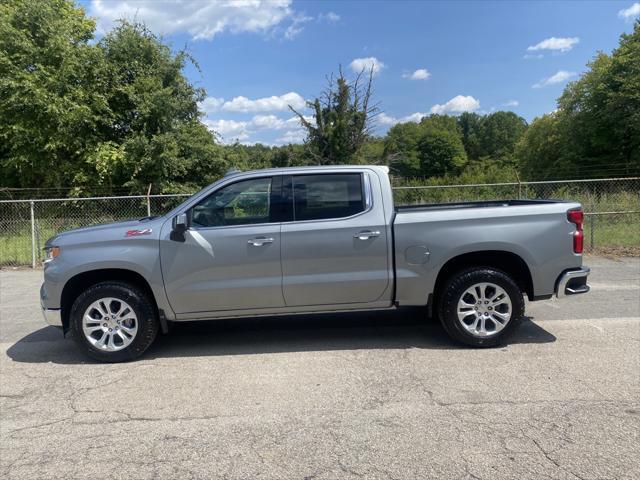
211 104
385 119
271 122
292 136
242 130
329 17
420 74
511 103
296 26
630 13
414 117
201 20
229 130
267 122
245 105
457 104
366 64
557 44
274 103
558 77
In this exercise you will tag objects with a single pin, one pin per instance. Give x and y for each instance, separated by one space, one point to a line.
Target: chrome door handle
367 234
259 241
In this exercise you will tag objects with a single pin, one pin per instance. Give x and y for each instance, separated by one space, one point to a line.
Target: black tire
143 307
452 292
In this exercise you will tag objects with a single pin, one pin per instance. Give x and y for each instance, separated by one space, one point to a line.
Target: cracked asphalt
382 395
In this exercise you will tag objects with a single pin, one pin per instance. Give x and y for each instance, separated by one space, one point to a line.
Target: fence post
149 201
519 185
33 235
592 223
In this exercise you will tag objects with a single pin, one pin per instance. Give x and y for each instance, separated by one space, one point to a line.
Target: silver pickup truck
314 239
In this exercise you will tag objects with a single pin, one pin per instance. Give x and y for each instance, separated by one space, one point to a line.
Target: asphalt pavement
369 395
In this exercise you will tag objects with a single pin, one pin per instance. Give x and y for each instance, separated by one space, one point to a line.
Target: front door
336 249
230 259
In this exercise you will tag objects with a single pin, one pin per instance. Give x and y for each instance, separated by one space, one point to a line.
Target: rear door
336 249
230 259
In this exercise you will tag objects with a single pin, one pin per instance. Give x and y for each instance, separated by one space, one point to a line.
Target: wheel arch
510 263
81 281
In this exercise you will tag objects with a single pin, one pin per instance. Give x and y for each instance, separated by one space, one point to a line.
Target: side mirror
180 226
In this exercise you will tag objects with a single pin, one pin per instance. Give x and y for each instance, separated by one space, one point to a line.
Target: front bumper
52 316
572 282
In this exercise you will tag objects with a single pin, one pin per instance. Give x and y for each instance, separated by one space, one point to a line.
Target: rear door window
326 196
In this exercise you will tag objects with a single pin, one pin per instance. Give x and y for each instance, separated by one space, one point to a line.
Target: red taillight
577 217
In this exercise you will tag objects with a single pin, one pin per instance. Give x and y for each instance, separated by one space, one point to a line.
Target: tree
596 129
289 156
154 113
494 135
540 150
499 133
470 128
401 149
115 113
52 104
441 152
430 148
341 119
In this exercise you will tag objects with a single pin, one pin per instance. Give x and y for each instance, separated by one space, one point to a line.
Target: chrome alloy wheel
110 324
484 309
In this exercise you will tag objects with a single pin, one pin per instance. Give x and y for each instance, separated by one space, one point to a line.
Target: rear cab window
327 196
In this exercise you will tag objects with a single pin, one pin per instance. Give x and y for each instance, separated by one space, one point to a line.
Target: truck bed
477 204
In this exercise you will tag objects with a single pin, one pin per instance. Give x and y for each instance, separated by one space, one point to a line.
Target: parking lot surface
370 395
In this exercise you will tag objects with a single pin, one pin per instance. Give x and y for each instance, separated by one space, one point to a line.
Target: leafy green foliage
118 112
50 82
596 129
471 130
494 135
441 152
430 148
401 149
499 133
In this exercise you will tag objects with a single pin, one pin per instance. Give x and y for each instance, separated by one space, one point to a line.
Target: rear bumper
572 282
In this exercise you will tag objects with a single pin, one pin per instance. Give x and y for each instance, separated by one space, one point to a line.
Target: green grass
613 231
15 243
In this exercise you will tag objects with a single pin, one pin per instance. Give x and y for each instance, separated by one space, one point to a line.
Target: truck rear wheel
480 306
113 322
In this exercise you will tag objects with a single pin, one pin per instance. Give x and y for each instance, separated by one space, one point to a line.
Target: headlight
51 253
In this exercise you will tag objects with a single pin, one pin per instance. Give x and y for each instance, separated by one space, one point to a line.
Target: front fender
139 255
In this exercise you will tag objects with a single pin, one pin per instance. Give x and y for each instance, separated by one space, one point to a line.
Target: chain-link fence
25 225
612 208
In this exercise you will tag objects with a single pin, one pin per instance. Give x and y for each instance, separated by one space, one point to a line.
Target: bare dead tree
342 118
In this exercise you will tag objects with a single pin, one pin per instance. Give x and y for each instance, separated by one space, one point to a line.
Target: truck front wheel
113 321
480 306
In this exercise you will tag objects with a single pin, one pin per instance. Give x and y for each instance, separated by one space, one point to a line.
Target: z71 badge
137 233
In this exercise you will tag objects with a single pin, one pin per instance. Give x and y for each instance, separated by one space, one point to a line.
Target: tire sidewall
141 305
458 284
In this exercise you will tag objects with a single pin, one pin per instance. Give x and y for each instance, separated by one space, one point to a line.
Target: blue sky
445 57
